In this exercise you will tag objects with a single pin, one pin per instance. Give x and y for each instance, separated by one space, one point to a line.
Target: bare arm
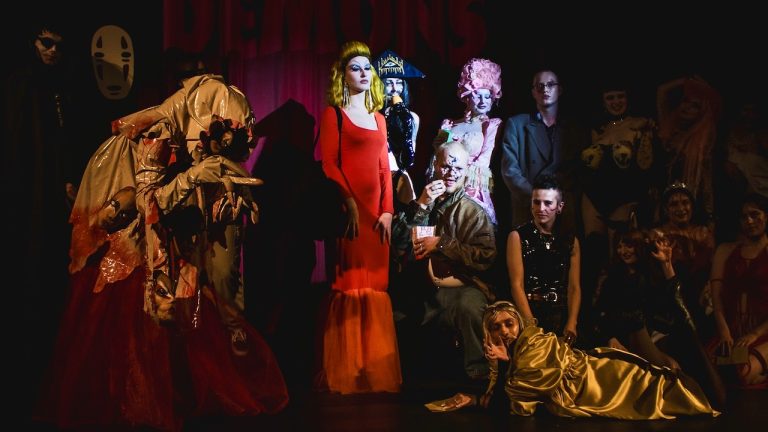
748 339
516 273
574 288
716 284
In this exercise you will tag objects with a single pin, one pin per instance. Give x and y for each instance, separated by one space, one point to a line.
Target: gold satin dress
607 382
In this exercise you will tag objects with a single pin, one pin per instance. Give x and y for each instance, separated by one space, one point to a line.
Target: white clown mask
113 61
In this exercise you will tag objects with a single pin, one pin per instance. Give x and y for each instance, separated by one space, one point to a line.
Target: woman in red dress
740 294
359 345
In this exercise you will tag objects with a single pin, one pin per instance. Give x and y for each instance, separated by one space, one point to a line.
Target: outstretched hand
663 249
229 207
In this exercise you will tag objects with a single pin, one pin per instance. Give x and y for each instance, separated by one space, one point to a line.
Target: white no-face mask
113 61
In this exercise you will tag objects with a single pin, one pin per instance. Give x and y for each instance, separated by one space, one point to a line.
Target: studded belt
550 296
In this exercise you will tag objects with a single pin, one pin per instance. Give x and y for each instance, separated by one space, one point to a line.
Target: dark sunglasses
48 43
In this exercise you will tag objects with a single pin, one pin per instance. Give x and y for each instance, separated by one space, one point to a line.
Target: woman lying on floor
569 382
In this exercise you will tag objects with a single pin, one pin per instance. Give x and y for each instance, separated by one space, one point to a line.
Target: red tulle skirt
113 365
359 344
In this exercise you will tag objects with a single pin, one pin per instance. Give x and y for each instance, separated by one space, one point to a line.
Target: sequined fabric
546 260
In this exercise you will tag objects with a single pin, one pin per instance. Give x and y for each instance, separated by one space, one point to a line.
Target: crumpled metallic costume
110 169
215 257
108 347
605 382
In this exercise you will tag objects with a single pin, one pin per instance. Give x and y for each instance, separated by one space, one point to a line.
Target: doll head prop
162 298
118 211
227 138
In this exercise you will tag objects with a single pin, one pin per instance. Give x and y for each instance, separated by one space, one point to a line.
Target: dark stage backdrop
281 50
278 50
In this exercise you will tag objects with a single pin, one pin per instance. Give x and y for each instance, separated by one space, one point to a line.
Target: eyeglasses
48 43
542 86
456 170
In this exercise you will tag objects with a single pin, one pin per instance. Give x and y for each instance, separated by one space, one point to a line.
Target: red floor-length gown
359 344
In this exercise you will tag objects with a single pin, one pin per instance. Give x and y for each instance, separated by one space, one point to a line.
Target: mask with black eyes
164 298
226 138
113 61
118 211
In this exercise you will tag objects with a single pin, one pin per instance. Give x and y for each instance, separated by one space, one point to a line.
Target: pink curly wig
480 73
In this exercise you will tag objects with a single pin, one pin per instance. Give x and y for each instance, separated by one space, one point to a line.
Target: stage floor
746 411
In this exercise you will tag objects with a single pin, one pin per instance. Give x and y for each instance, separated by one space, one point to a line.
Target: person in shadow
280 250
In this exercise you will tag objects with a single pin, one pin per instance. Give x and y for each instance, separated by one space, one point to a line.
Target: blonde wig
491 312
337 92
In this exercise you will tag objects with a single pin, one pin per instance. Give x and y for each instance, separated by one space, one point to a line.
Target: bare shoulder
725 249
513 236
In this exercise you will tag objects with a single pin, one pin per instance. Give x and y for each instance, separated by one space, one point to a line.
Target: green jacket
467 242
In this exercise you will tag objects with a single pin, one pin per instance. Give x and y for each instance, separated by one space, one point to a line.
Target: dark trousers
551 316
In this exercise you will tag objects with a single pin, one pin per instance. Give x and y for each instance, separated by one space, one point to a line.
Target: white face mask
113 61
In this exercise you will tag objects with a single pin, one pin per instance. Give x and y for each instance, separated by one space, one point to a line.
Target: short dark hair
547 181
47 20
